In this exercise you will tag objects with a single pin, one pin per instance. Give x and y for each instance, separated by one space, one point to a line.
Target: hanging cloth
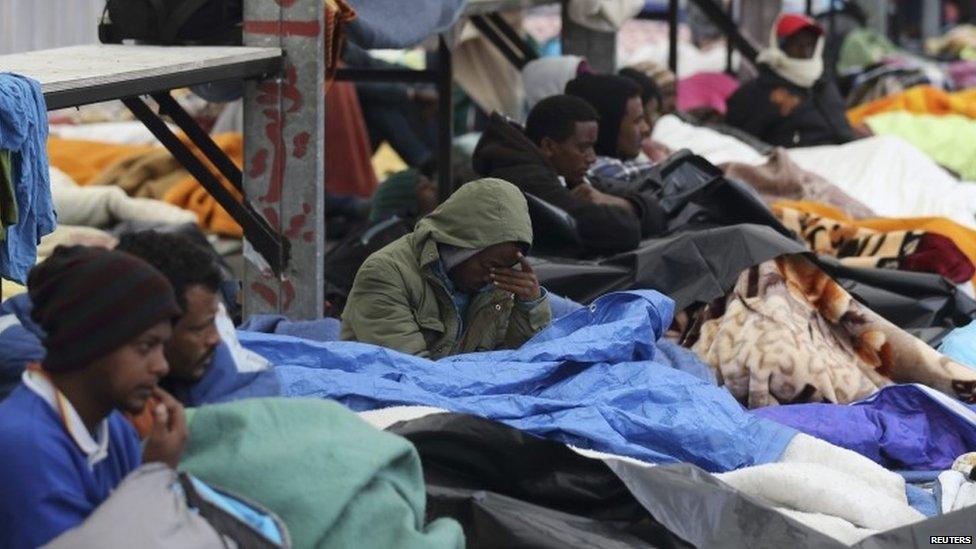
8 200
338 14
23 132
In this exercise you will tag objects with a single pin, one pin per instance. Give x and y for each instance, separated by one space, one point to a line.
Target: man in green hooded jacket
458 283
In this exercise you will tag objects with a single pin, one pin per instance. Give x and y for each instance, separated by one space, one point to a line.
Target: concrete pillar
284 171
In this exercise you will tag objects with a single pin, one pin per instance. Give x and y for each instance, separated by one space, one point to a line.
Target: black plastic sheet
690 267
910 300
510 489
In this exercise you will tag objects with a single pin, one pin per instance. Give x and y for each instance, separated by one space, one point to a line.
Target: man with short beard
200 363
195 351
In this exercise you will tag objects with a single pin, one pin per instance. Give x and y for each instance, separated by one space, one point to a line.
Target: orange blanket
918 100
150 172
86 160
190 195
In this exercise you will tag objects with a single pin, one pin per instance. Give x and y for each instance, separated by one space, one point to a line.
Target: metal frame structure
485 16
63 89
723 20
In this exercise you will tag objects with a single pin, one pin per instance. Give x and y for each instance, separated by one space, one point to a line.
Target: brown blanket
855 246
788 333
782 179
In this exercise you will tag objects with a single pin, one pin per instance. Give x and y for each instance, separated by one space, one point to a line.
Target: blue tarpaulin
597 378
398 24
594 379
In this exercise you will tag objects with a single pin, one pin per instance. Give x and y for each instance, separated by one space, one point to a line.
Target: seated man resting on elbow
549 160
458 283
623 125
65 443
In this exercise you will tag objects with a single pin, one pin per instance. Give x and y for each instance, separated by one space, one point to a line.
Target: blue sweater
46 484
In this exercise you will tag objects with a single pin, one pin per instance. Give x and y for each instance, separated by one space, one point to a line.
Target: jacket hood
504 145
481 213
608 94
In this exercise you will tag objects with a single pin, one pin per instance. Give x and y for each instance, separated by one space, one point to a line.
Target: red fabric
348 155
793 22
940 255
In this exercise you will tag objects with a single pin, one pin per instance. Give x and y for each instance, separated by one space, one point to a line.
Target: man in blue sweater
107 316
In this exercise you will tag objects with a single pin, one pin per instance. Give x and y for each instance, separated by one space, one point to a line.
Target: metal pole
284 148
730 10
445 120
673 36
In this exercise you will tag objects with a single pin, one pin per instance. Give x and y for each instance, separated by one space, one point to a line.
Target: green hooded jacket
398 301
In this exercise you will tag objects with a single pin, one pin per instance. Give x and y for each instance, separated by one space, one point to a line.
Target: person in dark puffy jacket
550 159
791 103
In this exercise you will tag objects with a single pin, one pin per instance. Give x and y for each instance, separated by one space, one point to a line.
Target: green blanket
865 47
333 479
949 139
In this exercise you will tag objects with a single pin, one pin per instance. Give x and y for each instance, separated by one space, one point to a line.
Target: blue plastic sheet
398 24
595 379
960 345
323 329
910 427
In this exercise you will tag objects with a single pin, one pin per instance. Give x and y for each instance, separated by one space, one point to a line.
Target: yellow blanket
918 100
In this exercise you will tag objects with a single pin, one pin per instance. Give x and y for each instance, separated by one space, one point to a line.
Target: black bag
172 22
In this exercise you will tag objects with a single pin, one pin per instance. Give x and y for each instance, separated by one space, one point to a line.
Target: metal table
82 75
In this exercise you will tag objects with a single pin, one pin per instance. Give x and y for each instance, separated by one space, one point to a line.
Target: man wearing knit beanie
107 315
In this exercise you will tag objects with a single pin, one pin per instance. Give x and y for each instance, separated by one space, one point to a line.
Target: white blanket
893 178
813 488
829 489
715 147
120 133
102 206
887 174
957 491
